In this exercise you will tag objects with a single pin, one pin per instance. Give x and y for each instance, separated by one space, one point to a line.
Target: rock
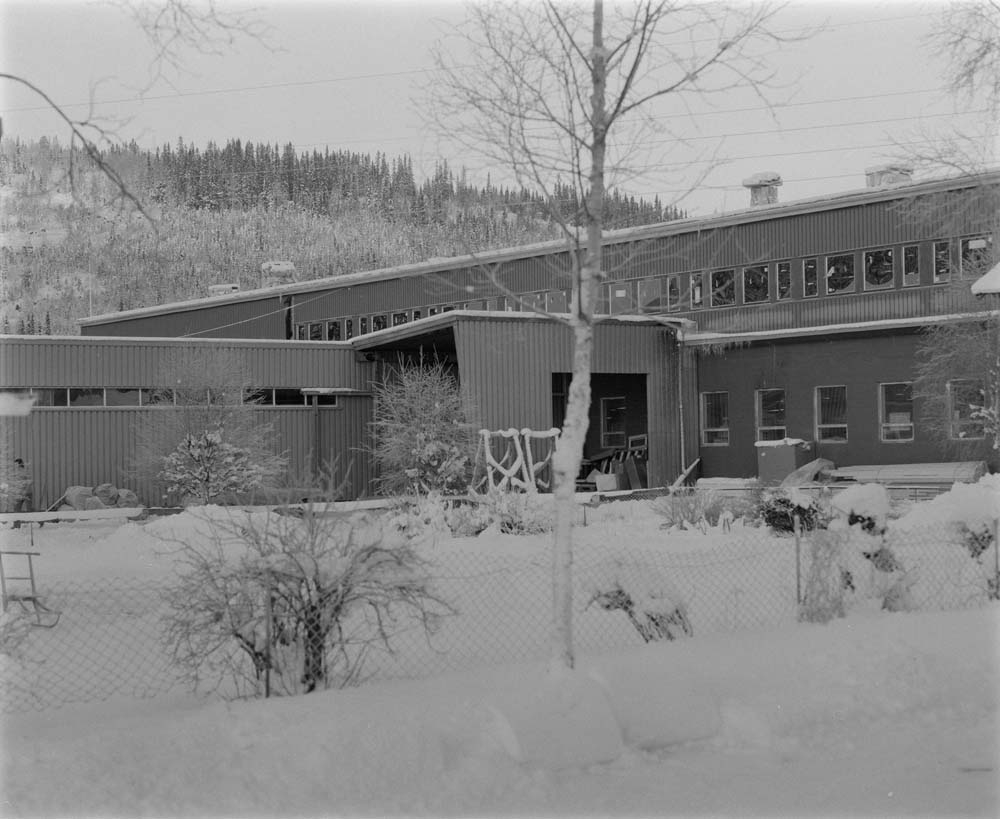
107 493
76 496
126 497
92 503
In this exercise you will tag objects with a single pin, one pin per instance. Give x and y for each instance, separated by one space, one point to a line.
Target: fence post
996 559
797 529
267 639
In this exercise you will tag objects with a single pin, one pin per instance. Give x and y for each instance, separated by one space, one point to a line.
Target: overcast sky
345 75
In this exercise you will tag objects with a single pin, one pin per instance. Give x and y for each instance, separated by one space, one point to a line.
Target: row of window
876 269
151 396
895 413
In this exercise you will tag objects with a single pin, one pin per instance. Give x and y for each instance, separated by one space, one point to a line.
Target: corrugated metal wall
85 362
260 318
86 447
506 368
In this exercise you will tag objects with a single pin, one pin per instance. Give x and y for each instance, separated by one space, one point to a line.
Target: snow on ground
886 714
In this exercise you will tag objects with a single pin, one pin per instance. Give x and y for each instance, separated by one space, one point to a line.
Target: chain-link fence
110 639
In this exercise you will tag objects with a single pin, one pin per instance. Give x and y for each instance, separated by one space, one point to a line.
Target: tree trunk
569 452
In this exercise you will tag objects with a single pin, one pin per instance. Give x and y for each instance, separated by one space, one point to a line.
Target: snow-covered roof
661 229
988 283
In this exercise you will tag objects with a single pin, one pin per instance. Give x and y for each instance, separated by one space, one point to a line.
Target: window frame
867 262
987 239
704 428
606 432
911 279
810 277
783 270
819 426
757 269
941 253
831 261
759 415
730 273
884 423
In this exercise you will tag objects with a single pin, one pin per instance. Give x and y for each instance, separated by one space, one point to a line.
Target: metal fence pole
267 641
797 529
996 559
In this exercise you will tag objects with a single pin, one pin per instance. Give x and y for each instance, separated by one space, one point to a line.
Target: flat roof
757 213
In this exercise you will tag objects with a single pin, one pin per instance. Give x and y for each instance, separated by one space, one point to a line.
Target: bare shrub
294 599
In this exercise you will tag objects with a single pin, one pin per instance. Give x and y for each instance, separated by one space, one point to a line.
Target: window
770 415
810 278
557 301
262 396
613 422
362 325
620 297
965 402
333 331
723 288
301 331
840 273
697 291
348 328
784 280
976 255
651 296
400 318
715 418
288 397
316 331
755 284
878 269
379 322
942 262
121 397
533 302
911 265
831 414
86 397
673 292
896 412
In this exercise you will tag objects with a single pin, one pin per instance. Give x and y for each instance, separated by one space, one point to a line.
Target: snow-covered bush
208 394
295 599
865 505
423 439
642 593
780 507
204 467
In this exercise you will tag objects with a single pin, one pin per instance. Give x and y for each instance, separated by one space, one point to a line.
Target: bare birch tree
556 92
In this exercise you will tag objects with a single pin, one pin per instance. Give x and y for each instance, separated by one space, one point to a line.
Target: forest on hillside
69 247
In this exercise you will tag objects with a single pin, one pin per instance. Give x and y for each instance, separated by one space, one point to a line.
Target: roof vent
763 187
892 174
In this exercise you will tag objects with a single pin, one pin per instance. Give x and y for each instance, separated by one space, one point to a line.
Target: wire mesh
110 638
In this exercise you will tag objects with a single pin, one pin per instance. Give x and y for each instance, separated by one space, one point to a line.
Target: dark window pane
289 398
976 256
697 290
316 331
942 261
840 273
86 397
831 409
333 330
911 265
122 396
723 288
784 280
756 285
878 269
810 278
